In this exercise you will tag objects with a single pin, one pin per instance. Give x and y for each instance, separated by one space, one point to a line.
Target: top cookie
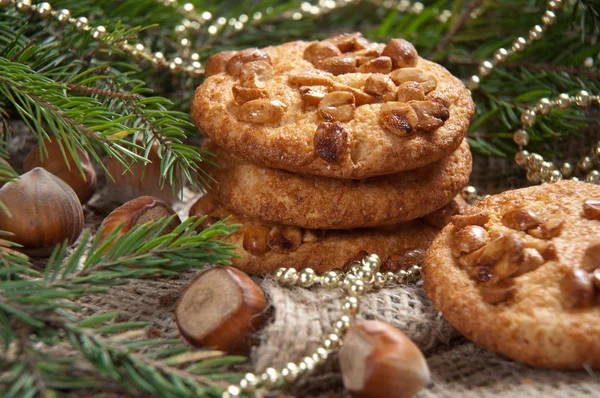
519 273
343 107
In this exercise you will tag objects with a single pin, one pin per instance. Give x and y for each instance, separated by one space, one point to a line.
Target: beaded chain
540 170
361 277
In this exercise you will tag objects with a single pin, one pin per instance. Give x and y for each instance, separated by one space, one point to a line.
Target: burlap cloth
300 318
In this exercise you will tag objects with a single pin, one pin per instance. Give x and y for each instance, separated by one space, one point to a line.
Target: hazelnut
6 172
400 76
261 111
82 180
470 260
255 239
402 53
398 118
204 206
521 219
469 239
337 65
256 74
360 96
365 55
499 292
591 257
331 142
382 86
319 51
410 91
431 115
138 211
551 228
235 63
313 235
474 218
43 212
503 255
218 63
379 361
579 287
139 179
284 239
403 259
338 105
220 309
591 208
439 98
376 65
532 259
348 42
309 77
241 94
546 249
312 95
442 216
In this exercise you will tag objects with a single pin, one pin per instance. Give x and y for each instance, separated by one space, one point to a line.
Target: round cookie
519 273
335 108
281 197
263 248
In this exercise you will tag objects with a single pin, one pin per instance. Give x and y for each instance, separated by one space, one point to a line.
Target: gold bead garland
538 169
362 277
520 44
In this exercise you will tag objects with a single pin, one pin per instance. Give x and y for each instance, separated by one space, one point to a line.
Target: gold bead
322 353
356 288
585 164
232 391
567 169
469 193
554 4
290 372
485 68
372 261
521 158
519 44
390 276
534 161
307 277
348 280
544 106
593 177
269 378
332 342
532 177
563 101
290 277
355 267
555 176
341 325
249 382
81 24
63 16
583 99
99 32
23 5
279 273
379 281
332 279
501 55
307 364
596 151
44 10
536 33
528 117
521 137
365 275
574 179
473 82
350 305
546 169
549 18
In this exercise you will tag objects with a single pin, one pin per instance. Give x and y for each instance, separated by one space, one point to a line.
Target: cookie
280 197
263 248
343 107
519 273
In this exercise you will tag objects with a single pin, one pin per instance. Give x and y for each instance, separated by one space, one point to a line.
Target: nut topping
255 239
360 96
591 209
462 220
256 74
338 105
503 255
399 118
579 286
402 53
499 292
431 115
400 76
284 239
348 42
532 259
312 95
410 91
403 260
439 98
546 249
377 65
313 235
549 229
331 142
337 65
521 219
235 64
591 258
320 50
309 77
469 239
245 94
596 278
261 111
218 63
382 86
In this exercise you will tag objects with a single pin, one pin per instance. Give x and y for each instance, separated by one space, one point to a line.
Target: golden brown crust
538 324
288 143
281 197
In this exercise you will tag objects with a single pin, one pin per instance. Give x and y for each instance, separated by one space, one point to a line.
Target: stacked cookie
330 149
